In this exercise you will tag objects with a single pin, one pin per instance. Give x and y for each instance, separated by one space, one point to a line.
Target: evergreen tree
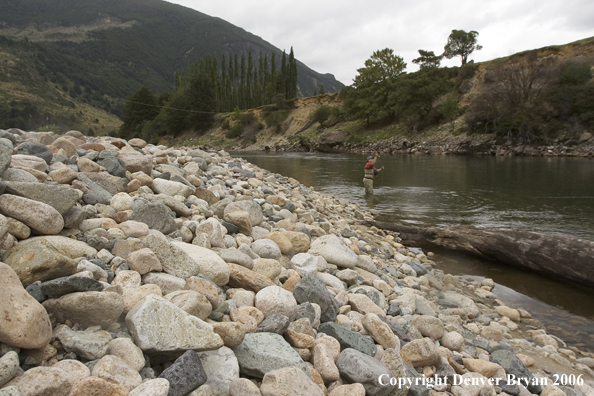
281 86
272 82
292 76
241 84
249 81
140 108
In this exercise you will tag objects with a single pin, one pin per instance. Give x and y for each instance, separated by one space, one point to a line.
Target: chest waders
368 181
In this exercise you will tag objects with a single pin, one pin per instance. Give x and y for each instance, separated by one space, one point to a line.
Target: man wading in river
370 172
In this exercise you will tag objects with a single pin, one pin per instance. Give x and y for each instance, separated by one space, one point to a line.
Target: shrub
275 118
323 113
467 71
226 126
235 131
247 118
576 74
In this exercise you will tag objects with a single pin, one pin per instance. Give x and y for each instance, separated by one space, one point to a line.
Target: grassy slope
22 85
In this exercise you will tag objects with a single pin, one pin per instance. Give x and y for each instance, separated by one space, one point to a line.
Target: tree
427 59
461 43
376 82
140 107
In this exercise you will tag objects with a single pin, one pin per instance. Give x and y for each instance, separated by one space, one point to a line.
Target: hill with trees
99 52
522 104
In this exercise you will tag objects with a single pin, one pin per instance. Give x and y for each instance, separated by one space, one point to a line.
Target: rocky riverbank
441 144
130 269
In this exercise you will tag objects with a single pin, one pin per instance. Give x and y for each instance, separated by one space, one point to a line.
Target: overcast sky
332 36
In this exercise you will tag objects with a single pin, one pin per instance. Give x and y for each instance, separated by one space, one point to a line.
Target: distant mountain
102 48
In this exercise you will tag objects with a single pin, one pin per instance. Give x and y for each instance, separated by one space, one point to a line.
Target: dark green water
553 195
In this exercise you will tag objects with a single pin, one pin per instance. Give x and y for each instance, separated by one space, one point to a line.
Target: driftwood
555 255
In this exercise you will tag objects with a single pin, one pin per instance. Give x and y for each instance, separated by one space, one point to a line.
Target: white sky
332 36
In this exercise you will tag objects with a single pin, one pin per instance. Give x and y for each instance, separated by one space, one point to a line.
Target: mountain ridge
162 36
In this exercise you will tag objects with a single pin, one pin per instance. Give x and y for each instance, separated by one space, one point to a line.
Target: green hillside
99 52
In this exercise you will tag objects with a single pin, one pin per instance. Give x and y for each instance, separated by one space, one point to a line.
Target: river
542 194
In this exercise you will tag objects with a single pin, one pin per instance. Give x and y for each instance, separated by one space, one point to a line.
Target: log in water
556 255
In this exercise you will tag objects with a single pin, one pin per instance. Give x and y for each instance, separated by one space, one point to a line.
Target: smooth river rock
61 198
87 308
260 353
39 216
25 323
158 325
208 263
37 260
334 250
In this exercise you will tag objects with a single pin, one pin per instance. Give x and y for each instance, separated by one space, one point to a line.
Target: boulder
5 154
358 367
312 289
422 352
158 325
334 250
276 300
289 381
61 198
89 345
25 322
260 353
43 381
39 216
37 260
208 262
155 214
86 308
221 368
251 207
348 338
36 149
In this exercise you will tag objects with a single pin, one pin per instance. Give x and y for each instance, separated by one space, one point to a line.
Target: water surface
551 195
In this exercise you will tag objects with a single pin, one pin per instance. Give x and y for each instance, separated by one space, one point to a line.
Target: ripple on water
534 194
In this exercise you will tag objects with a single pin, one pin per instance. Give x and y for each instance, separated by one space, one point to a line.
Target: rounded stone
276 300
43 381
232 333
154 387
266 248
37 215
270 268
281 240
380 331
87 308
125 349
192 302
289 380
76 370
429 326
511 313
113 369
25 323
453 341
9 365
243 387
122 201
94 386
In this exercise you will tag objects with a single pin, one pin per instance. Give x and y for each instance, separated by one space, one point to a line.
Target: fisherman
370 172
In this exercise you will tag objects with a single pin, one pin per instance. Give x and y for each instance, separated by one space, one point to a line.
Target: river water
543 194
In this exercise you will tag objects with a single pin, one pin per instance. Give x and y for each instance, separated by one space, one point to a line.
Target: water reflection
539 194
565 308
